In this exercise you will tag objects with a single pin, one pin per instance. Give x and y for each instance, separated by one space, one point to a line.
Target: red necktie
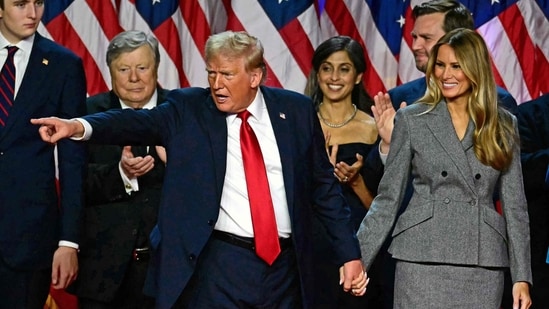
267 246
7 85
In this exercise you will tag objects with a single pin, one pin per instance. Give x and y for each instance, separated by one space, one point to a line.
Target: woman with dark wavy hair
343 107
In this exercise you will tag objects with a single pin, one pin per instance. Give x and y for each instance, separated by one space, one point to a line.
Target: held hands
53 129
64 267
135 166
521 296
384 115
353 278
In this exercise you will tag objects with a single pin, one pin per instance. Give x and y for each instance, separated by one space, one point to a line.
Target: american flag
517 33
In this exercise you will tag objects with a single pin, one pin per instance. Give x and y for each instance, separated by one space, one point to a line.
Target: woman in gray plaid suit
452 244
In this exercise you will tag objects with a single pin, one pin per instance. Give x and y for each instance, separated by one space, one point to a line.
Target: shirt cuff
70 244
382 156
129 184
87 130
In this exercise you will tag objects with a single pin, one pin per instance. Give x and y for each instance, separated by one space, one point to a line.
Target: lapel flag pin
45 61
282 115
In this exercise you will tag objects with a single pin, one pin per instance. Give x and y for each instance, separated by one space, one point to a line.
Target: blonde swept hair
238 44
495 135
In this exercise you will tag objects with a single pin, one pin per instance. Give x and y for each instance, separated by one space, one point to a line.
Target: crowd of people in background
240 195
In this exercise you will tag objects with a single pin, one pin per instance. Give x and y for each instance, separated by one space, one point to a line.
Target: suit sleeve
72 155
330 205
104 183
372 170
533 131
506 100
377 224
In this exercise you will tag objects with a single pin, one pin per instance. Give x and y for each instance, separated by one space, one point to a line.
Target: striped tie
7 86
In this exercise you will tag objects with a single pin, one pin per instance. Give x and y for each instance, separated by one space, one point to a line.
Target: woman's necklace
337 125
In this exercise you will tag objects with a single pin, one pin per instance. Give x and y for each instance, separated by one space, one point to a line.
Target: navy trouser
229 276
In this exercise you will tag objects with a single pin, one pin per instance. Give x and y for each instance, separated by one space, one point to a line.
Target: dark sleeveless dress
347 153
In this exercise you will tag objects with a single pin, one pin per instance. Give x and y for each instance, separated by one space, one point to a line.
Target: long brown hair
495 135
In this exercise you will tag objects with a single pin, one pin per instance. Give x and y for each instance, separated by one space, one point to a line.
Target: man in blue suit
205 243
40 226
433 19
533 123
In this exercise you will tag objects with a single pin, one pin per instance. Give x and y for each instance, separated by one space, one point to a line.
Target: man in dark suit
205 245
39 233
433 19
533 121
123 185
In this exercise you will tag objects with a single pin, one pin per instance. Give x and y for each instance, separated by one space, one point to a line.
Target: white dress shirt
235 215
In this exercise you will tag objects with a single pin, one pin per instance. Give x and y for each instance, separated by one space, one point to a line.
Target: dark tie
267 246
7 86
139 151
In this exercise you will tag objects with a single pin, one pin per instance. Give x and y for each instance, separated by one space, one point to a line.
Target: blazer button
444 173
446 201
473 202
477 176
192 257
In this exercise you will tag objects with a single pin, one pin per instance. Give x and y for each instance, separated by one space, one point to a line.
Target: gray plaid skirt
427 285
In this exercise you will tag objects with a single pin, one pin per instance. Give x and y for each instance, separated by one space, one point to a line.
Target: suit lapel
161 95
26 101
215 124
444 132
280 120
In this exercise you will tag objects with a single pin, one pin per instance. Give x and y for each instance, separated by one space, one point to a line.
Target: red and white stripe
517 40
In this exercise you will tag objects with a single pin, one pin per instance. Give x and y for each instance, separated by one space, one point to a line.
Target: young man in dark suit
433 19
533 122
208 251
123 185
39 233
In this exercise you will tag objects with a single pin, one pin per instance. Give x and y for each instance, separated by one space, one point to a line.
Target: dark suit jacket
114 222
194 133
34 219
533 120
410 92
534 133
